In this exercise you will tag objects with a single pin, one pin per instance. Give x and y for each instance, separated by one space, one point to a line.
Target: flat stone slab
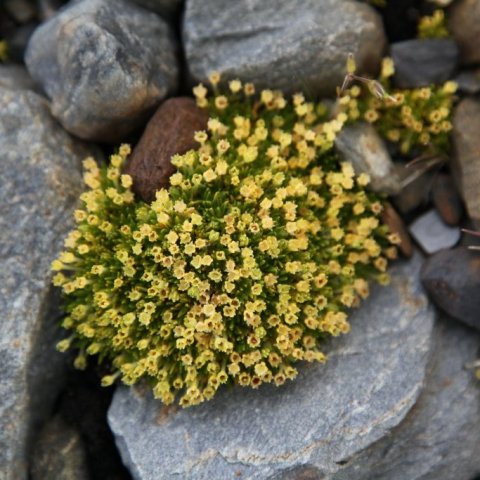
329 413
39 187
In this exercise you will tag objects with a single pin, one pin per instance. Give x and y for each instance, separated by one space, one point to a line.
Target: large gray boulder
105 64
310 426
40 182
287 44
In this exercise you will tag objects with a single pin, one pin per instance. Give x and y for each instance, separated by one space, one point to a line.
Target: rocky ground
397 399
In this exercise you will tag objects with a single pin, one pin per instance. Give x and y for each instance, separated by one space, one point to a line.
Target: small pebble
432 234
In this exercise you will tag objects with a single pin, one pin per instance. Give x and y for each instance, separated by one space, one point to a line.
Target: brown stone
446 199
170 131
465 165
394 222
465 27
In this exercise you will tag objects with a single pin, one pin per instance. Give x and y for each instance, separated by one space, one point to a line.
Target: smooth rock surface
468 81
371 380
361 145
419 63
169 131
105 64
452 278
15 77
59 453
414 194
463 23
40 172
438 439
294 45
466 159
446 199
432 233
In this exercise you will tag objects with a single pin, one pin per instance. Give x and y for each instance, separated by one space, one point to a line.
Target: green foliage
240 269
433 26
417 120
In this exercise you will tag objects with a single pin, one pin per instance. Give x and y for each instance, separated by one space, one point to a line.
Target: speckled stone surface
105 64
330 413
40 183
294 45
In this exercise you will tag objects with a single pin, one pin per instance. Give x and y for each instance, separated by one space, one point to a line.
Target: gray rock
166 8
373 377
59 453
40 171
468 81
466 160
105 65
438 439
422 62
294 45
361 145
15 77
432 233
452 278
463 23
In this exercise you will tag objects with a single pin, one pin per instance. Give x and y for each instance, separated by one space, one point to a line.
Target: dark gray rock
432 233
438 439
468 81
294 45
422 62
415 193
463 23
466 160
373 377
452 278
59 453
166 8
40 171
362 146
105 64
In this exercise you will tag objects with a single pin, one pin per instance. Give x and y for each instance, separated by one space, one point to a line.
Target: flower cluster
433 26
254 254
417 120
